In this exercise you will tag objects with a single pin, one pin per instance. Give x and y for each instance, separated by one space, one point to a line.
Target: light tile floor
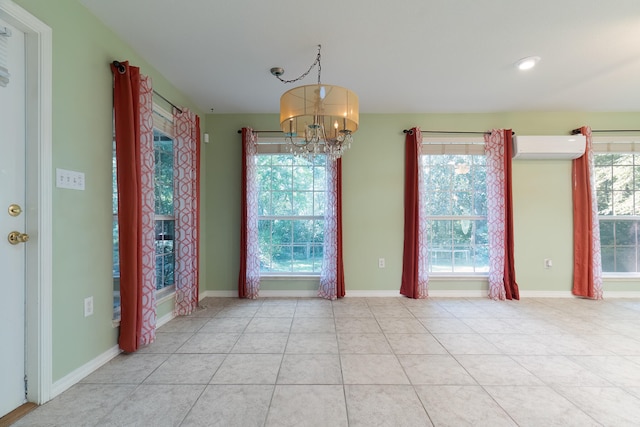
372 362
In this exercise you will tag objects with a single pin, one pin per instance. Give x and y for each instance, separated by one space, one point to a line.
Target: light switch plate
71 180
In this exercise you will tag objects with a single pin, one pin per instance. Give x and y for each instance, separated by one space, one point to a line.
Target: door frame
39 212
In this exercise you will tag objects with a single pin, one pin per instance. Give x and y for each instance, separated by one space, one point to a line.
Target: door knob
16 237
15 210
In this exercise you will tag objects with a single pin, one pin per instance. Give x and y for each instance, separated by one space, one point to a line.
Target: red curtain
587 269
510 285
414 281
128 135
340 288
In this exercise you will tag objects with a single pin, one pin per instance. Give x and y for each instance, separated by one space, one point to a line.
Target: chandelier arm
317 61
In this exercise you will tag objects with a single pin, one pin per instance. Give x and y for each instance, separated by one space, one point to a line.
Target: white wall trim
620 294
546 294
165 319
39 54
436 293
77 375
217 294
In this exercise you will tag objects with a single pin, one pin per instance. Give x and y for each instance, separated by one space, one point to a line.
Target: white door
12 219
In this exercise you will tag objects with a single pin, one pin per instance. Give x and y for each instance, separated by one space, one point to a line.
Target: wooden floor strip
16 414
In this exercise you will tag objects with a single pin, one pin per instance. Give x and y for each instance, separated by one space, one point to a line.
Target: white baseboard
373 293
437 293
217 294
621 294
546 294
165 319
75 376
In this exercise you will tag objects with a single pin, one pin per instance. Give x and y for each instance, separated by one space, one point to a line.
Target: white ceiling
400 56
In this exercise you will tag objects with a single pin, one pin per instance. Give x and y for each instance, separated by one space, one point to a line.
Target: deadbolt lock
16 237
15 210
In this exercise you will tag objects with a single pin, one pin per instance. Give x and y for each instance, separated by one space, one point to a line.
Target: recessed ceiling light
527 63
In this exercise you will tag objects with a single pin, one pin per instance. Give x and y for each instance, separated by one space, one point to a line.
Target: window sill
165 294
290 277
450 277
621 277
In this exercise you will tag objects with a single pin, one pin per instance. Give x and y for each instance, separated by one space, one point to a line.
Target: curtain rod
263 131
410 132
168 102
121 69
577 131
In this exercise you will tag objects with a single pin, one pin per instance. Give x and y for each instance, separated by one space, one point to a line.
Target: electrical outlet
88 306
381 263
548 263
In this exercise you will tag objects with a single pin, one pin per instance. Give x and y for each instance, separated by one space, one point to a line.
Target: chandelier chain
317 61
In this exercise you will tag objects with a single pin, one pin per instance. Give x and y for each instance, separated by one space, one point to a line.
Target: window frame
276 146
447 145
603 145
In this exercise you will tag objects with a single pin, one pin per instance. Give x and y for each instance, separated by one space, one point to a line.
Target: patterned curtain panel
415 279
502 278
332 274
249 277
186 202
147 170
587 262
133 109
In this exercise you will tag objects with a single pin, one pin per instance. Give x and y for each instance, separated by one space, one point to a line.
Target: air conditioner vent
548 147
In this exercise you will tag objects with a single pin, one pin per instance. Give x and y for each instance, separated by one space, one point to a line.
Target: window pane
165 255
319 178
303 259
264 177
606 233
302 231
608 259
623 202
318 231
302 178
264 203
282 160
461 203
281 232
281 203
116 252
282 258
626 260
303 203
439 203
317 258
282 178
163 173
319 200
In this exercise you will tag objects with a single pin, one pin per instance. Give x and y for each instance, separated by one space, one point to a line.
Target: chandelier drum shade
318 118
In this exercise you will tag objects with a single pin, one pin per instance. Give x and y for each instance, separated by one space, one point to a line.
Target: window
456 211
164 215
617 180
291 199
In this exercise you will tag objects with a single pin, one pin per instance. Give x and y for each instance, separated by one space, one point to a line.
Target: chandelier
317 118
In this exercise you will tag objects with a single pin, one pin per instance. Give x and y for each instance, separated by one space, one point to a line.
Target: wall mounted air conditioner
548 147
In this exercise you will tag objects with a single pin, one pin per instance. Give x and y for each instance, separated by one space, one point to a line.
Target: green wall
373 199
82 133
